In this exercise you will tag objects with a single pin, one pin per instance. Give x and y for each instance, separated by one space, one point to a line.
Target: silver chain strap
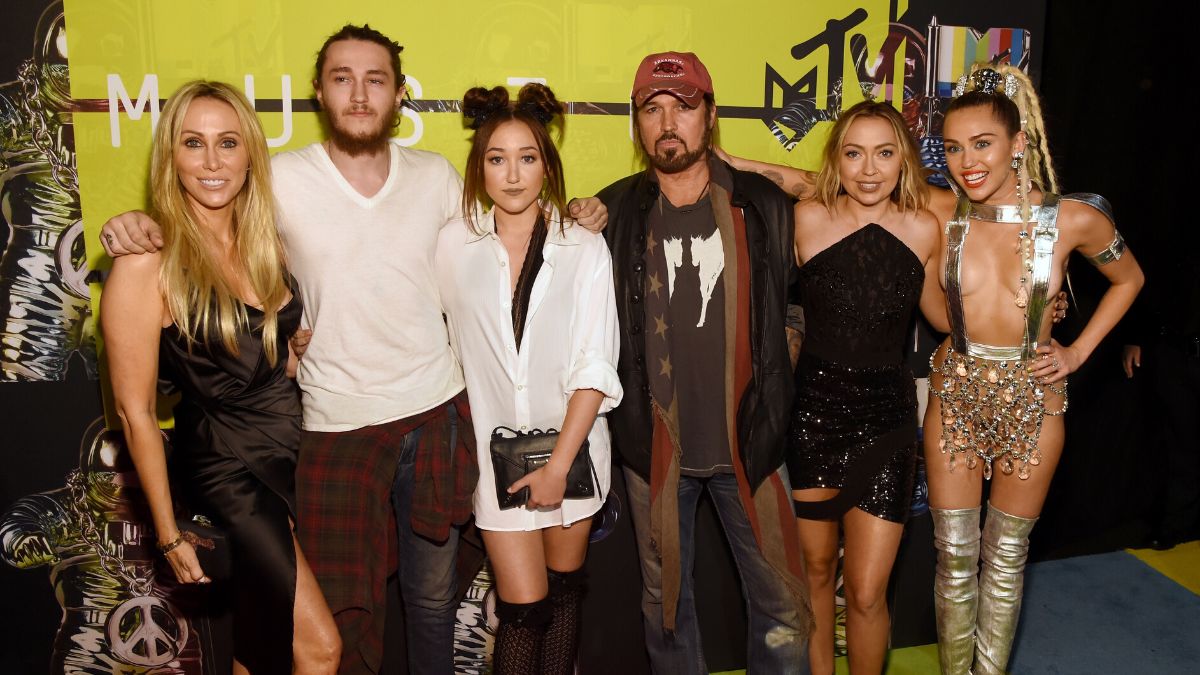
42 127
138 583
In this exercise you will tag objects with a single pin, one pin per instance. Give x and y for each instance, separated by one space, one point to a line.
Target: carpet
1126 612
1108 613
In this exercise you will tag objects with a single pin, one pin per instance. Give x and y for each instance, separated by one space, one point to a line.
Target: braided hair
1018 110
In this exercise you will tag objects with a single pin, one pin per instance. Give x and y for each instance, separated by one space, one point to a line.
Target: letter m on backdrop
147 96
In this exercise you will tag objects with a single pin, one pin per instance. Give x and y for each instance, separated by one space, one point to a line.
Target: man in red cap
702 256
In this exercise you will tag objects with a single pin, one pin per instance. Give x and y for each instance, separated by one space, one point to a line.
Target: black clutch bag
211 545
525 452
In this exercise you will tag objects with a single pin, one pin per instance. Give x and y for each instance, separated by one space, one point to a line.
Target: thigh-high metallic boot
955 596
1001 582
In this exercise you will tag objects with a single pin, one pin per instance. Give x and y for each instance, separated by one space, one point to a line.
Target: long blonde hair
200 299
910 193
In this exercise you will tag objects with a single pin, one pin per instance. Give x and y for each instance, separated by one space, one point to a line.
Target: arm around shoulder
798 183
933 297
132 232
942 204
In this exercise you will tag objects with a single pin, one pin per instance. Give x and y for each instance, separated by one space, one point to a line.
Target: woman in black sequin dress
868 252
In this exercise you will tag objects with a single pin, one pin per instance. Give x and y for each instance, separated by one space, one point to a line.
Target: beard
365 142
674 160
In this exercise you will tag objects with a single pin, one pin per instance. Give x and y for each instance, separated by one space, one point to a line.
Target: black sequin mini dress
854 420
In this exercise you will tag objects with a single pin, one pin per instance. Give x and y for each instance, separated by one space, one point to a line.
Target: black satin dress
854 420
237 431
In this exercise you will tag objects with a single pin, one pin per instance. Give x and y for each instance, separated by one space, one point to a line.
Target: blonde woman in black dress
210 313
868 253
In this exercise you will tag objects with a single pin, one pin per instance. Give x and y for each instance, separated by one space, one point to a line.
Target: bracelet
172 545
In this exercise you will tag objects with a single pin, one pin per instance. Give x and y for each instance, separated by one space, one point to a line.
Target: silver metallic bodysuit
992 406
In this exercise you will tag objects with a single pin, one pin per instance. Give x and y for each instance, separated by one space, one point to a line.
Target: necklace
1010 213
703 192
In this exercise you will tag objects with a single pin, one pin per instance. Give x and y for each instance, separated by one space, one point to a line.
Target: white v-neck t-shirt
364 266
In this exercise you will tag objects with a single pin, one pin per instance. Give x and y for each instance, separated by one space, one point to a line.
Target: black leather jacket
763 412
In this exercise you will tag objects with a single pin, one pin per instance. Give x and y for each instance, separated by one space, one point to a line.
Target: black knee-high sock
562 636
520 636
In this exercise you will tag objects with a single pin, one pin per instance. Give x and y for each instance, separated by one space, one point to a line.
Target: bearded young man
702 255
383 398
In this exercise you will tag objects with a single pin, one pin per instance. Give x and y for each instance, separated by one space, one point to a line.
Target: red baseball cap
677 73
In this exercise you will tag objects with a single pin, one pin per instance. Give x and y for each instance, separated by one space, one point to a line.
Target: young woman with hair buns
998 387
529 302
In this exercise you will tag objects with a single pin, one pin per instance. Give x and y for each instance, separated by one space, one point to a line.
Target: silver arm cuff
1110 253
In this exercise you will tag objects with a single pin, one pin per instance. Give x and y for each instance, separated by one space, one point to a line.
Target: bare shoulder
812 218
132 288
926 229
1081 215
942 203
1085 226
810 212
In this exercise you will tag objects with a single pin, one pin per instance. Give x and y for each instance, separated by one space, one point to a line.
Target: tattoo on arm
775 177
799 190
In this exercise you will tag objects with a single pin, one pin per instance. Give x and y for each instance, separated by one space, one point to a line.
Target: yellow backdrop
586 51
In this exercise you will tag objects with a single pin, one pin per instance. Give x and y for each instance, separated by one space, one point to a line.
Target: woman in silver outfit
998 387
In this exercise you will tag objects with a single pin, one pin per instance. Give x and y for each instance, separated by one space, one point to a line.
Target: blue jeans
774 642
427 573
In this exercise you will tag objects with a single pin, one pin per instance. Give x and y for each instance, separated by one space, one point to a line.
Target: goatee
675 160
363 143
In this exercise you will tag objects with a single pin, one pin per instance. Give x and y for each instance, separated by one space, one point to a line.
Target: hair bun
479 103
539 102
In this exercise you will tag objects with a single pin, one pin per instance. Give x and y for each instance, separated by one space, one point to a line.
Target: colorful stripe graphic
960 46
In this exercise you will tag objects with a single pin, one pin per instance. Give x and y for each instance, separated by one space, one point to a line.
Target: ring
1054 363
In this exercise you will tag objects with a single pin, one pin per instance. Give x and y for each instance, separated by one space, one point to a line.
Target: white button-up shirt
569 343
